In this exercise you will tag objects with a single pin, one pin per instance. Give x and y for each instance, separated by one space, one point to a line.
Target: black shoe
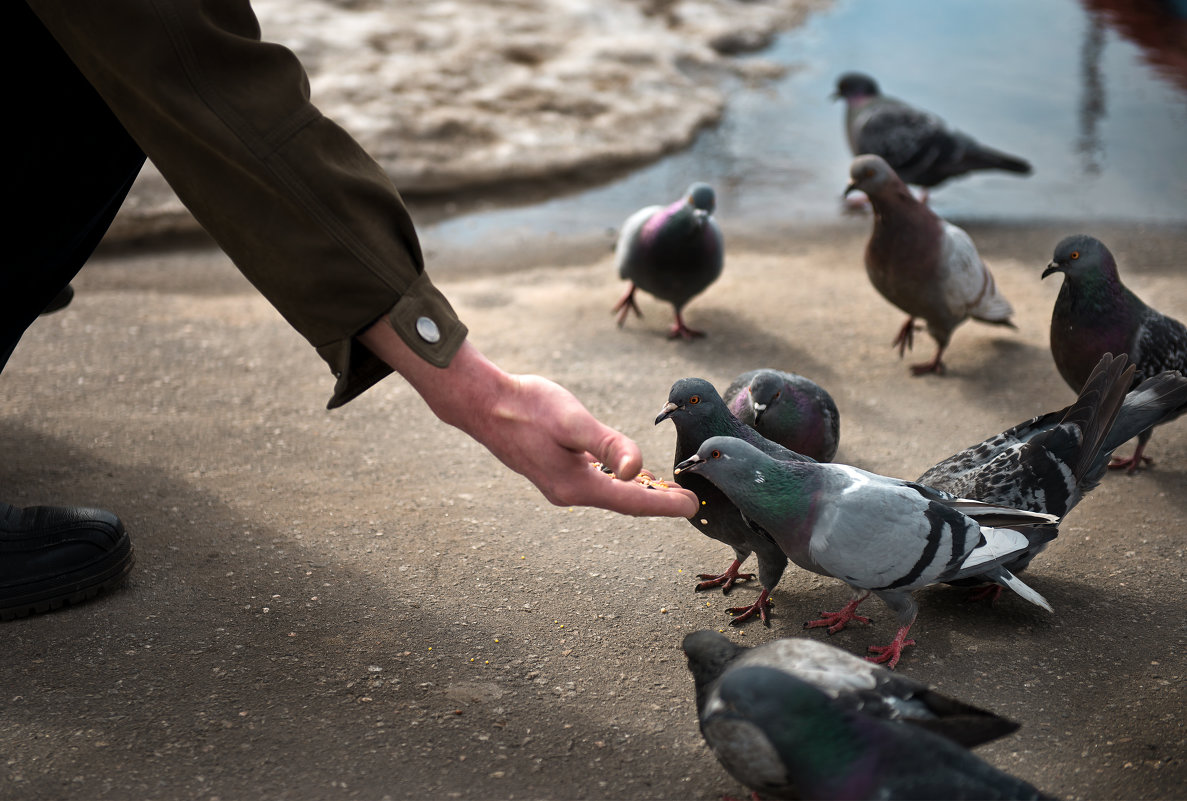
60 301
52 555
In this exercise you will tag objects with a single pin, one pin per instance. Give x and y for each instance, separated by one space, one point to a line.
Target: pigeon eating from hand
923 264
1049 463
673 252
788 409
918 145
699 413
1095 314
877 534
851 682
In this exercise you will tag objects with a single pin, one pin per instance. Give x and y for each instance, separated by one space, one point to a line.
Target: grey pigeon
917 144
1095 314
789 409
673 252
784 738
1047 464
699 413
878 534
923 264
851 682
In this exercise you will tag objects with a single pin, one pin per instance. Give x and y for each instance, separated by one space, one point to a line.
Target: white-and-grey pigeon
789 409
673 252
920 147
1095 314
850 681
877 534
698 412
923 264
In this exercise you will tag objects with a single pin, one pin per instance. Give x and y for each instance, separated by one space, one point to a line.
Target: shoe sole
114 567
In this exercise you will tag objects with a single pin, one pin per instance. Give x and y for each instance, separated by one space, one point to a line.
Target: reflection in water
1158 27
1092 98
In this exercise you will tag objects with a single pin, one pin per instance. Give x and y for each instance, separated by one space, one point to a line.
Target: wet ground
1096 101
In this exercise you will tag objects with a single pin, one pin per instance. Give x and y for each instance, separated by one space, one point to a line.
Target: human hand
535 427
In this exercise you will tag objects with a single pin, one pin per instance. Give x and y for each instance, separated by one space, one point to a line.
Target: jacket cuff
424 320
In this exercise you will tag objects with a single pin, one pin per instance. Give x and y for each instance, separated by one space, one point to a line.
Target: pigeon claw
761 607
1133 463
838 620
990 592
681 331
724 580
889 654
905 340
625 305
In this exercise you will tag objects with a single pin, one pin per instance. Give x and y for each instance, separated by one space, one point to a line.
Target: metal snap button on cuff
428 330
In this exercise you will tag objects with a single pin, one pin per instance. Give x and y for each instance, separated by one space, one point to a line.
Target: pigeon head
855 87
708 655
702 199
1081 256
692 399
872 175
724 457
763 393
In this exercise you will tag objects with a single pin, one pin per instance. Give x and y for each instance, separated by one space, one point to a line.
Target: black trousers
73 168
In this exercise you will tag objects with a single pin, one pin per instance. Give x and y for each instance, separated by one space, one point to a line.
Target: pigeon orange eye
695 399
715 455
1075 255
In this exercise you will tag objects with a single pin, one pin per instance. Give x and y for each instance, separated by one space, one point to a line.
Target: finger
633 498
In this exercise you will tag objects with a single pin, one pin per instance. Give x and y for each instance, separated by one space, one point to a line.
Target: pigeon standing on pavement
698 412
783 738
788 409
1049 463
918 145
850 681
923 264
878 534
1095 313
673 252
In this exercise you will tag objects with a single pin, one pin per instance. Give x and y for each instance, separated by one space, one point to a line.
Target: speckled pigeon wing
1162 344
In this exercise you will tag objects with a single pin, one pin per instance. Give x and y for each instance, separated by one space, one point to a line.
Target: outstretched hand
535 427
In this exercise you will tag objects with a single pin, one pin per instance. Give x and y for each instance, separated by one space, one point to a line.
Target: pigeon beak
666 412
852 187
759 408
1053 267
689 464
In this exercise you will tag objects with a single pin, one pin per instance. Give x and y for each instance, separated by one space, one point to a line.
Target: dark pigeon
783 738
1096 314
877 534
699 413
673 252
788 409
923 264
918 145
851 682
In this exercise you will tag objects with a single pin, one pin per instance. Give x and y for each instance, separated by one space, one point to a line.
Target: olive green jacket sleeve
307 216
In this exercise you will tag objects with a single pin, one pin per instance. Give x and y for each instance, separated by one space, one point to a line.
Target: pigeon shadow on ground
734 344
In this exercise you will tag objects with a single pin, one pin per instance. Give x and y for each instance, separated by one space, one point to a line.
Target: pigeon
698 413
918 145
1047 464
673 252
877 534
923 264
850 682
788 409
784 738
1095 313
